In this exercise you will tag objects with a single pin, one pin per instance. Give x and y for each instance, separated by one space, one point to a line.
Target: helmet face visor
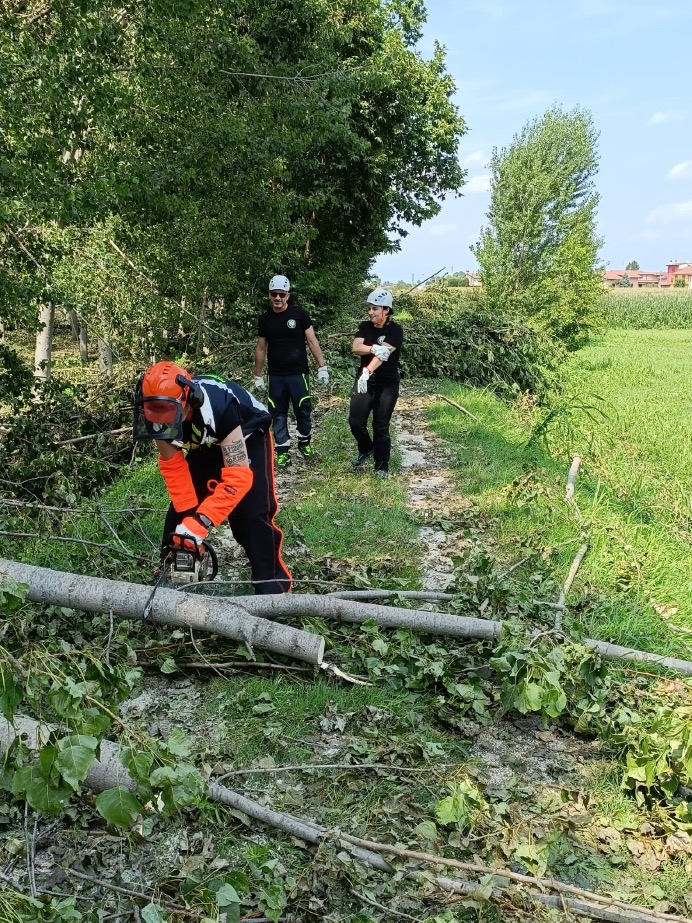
158 417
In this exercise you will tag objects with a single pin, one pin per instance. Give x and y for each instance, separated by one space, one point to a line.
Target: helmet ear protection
195 394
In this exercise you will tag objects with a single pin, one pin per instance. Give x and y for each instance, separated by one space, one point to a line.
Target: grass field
628 413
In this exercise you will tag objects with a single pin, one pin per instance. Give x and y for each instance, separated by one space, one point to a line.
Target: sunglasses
278 294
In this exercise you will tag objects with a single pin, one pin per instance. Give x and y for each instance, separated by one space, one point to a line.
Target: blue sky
628 62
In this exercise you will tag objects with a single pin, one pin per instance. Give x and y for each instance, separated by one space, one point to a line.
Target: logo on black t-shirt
381 340
291 324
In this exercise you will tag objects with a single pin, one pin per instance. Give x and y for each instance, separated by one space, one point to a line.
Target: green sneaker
307 451
283 459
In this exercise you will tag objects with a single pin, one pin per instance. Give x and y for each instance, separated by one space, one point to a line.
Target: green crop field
643 308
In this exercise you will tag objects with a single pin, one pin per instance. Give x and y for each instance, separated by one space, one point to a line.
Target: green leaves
464 804
658 754
43 791
539 251
119 806
61 767
75 755
88 151
548 677
490 347
10 692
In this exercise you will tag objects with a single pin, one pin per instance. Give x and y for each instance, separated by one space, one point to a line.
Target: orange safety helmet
161 380
163 395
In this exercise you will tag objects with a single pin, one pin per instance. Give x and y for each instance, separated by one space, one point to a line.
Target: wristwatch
203 520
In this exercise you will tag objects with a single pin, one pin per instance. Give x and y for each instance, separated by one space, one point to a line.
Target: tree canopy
538 254
214 143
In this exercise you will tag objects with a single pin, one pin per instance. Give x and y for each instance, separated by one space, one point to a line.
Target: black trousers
296 390
379 400
252 521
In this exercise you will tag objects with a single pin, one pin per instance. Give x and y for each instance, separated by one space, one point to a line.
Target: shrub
451 334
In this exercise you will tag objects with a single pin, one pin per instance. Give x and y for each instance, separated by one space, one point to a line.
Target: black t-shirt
284 332
226 406
393 334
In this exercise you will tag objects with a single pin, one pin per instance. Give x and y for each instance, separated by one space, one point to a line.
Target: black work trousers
296 390
252 521
379 400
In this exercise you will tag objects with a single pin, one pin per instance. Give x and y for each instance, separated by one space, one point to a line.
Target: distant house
651 279
474 279
614 277
678 271
639 278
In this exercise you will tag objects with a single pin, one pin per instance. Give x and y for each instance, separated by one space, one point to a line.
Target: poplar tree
538 254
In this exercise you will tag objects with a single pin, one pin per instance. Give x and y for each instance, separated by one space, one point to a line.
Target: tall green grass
634 489
642 309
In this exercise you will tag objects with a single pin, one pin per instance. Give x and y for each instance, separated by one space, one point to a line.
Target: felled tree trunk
237 616
108 772
346 610
170 607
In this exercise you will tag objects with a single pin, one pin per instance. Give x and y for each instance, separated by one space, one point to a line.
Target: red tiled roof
615 274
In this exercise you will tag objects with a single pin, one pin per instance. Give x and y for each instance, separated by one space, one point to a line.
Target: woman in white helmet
376 389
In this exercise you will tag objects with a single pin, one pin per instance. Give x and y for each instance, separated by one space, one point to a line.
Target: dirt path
508 748
431 492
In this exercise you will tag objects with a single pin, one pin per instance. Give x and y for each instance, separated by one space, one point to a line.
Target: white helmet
279 284
381 297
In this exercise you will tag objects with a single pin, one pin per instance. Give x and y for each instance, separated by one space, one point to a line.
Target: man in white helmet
282 334
376 389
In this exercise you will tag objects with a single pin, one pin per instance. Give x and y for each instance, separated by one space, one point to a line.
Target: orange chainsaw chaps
176 474
229 491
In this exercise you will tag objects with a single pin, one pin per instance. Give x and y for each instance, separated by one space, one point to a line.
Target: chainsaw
182 566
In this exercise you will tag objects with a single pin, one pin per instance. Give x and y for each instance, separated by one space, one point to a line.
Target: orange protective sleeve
234 484
176 474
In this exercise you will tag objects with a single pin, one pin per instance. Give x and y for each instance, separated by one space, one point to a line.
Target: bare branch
572 478
458 407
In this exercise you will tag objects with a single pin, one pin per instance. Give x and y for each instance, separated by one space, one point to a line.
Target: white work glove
259 382
323 375
188 534
362 385
380 352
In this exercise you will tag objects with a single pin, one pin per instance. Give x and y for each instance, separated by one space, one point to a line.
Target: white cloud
474 157
681 170
442 229
670 214
668 115
480 183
